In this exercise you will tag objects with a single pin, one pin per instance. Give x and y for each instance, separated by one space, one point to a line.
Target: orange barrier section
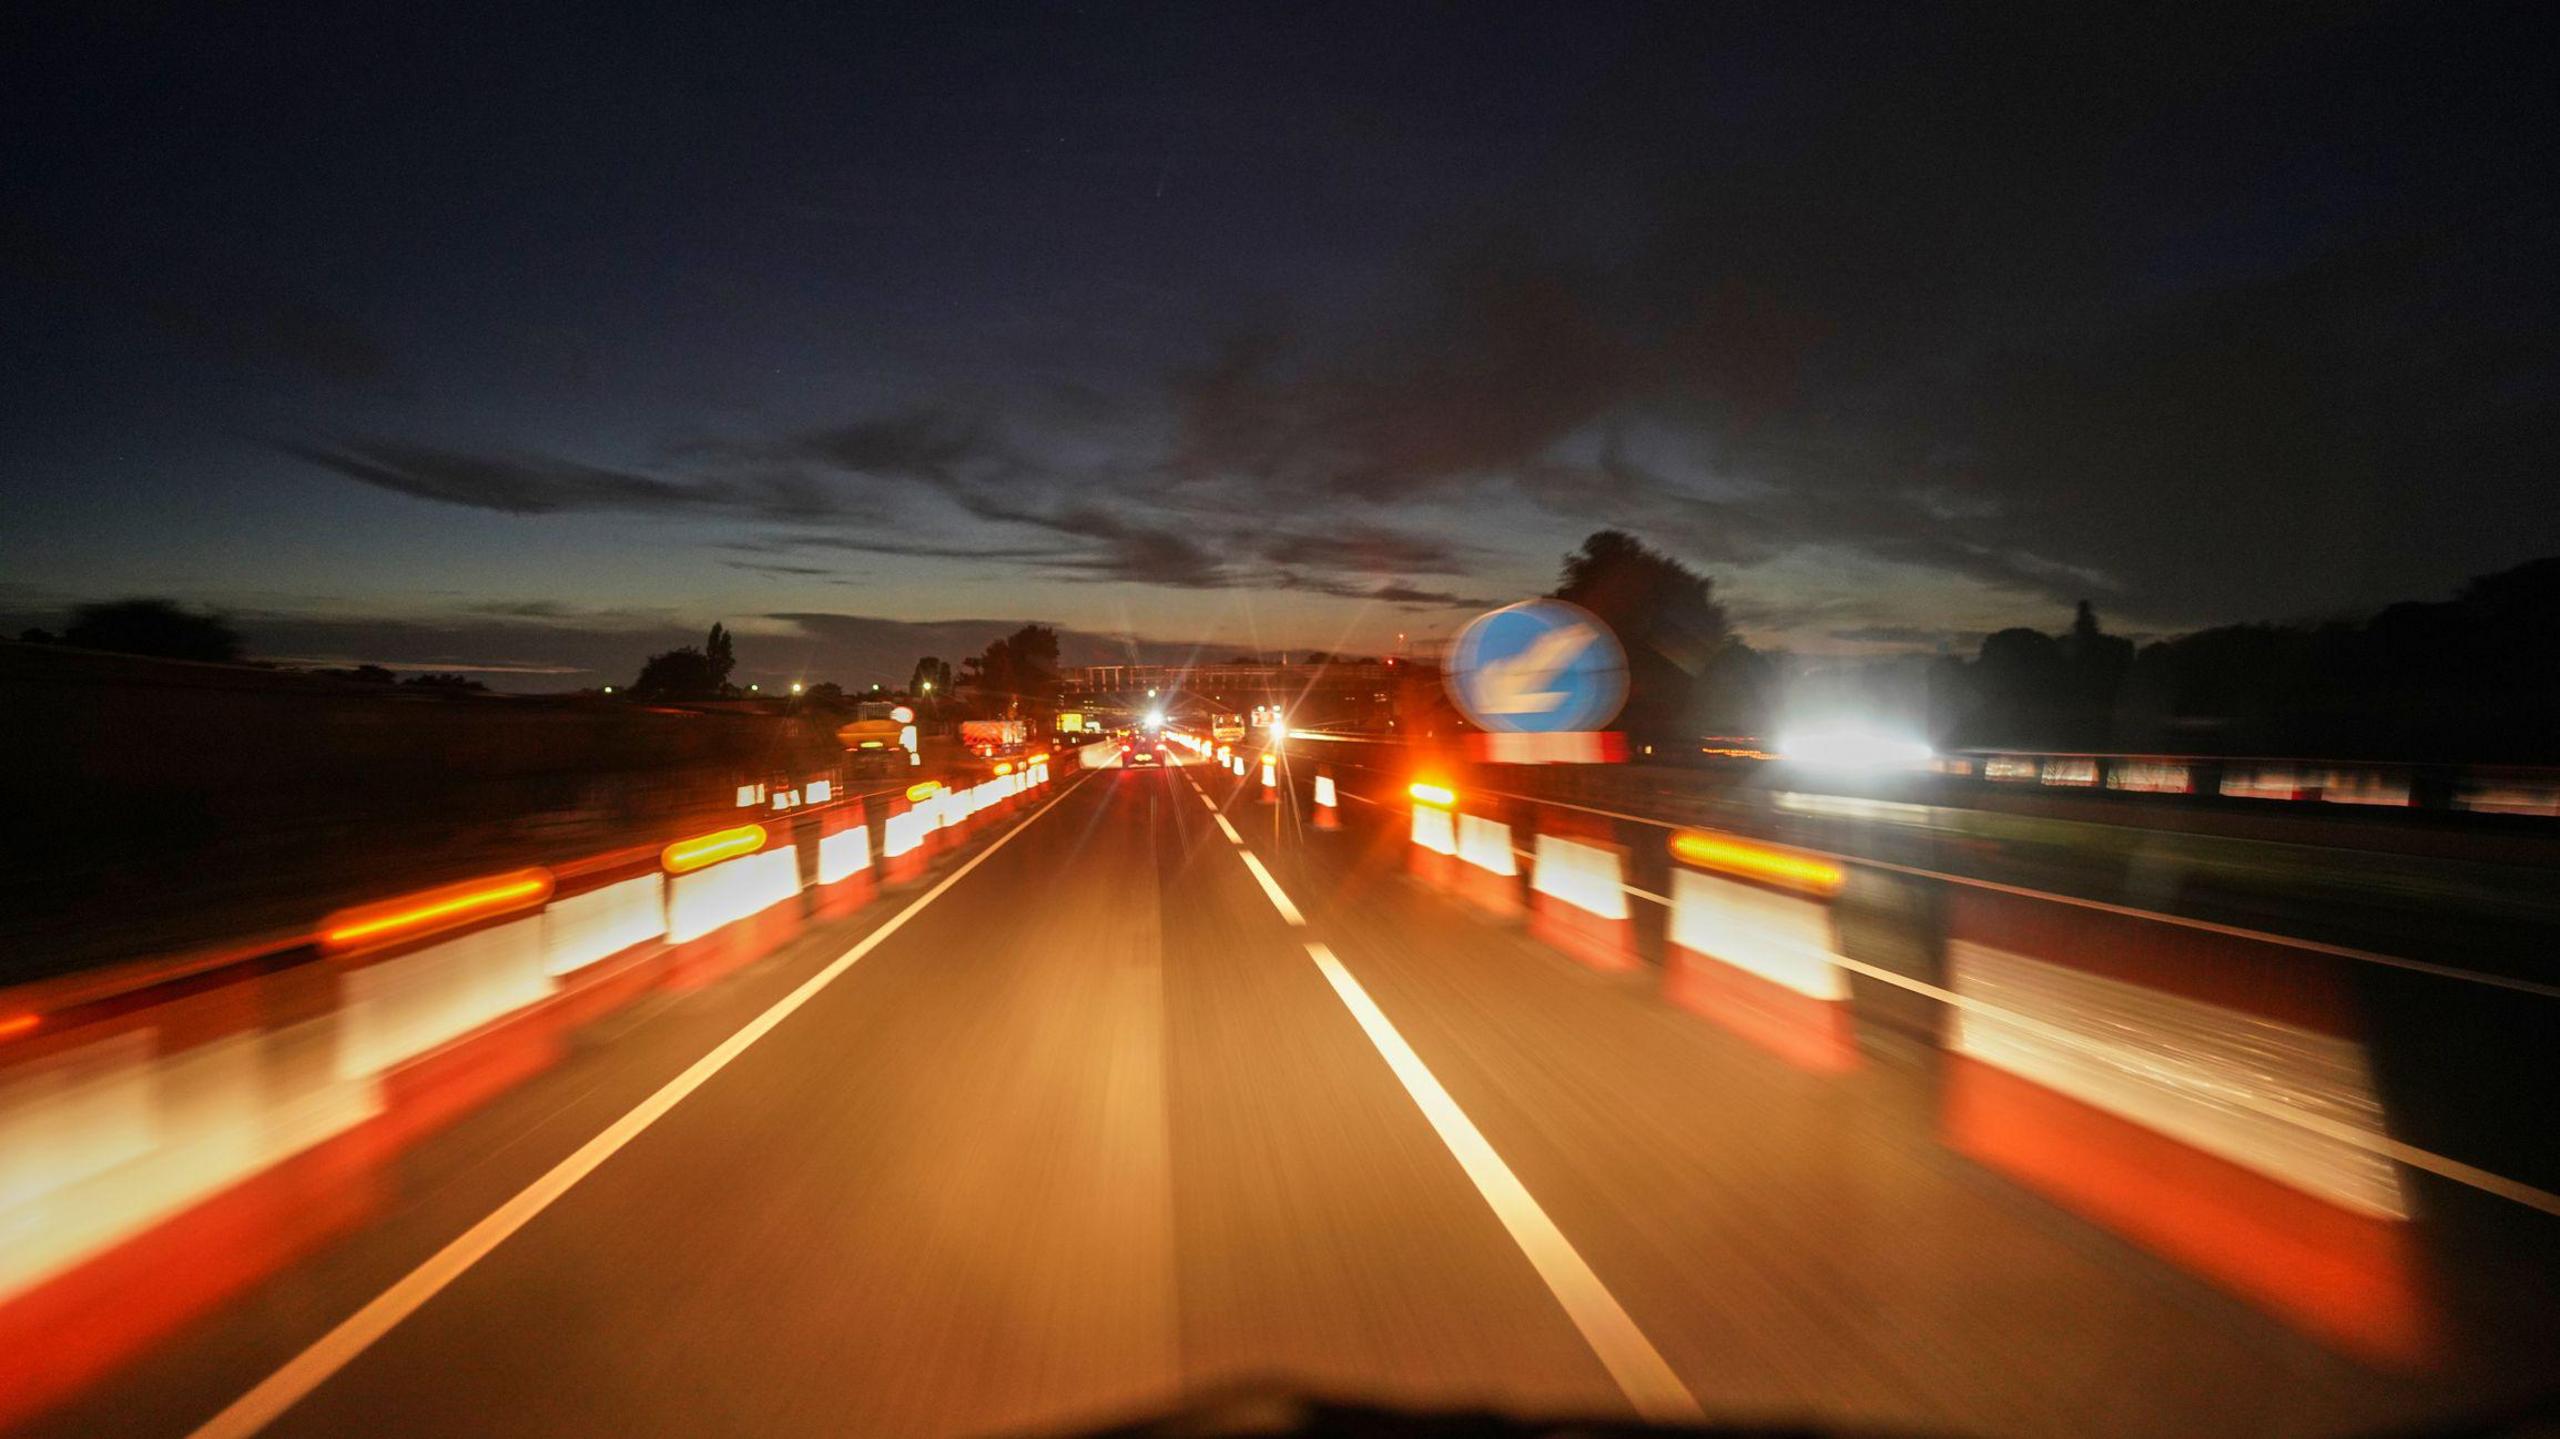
2125 1068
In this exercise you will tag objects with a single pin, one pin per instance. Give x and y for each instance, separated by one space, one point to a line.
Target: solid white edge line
333 1351
1642 1374
1271 887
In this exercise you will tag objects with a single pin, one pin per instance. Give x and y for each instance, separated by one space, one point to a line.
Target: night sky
525 343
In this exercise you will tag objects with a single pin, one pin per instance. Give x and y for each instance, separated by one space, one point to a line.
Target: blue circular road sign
1538 667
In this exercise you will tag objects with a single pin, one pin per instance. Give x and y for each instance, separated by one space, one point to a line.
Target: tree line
2475 677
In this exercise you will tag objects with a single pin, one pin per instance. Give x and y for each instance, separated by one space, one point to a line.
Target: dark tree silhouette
153 627
1016 675
459 684
1666 616
37 637
678 674
721 654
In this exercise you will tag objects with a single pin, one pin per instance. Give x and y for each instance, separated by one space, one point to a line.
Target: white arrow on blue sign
1538 667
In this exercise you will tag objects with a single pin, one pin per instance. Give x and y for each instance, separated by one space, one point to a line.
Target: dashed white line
339 1347
1639 1369
1642 1374
1271 887
1229 829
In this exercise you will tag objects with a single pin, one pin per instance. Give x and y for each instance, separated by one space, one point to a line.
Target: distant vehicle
882 735
1138 752
994 737
1227 729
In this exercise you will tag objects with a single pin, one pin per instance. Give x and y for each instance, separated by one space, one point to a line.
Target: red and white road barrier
2151 777
2283 782
1488 870
1578 900
2139 1073
175 1133
1752 947
730 907
1433 855
1328 804
904 835
845 879
595 925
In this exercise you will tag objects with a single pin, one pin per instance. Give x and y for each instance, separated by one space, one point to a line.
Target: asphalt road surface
1091 1123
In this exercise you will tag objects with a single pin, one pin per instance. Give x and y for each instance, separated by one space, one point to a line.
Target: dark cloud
831 574
925 444
528 610
1408 595
876 645
2046 323
537 485
1909 637
1366 548
1393 592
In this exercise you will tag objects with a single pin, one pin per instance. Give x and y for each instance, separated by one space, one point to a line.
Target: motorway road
1091 1126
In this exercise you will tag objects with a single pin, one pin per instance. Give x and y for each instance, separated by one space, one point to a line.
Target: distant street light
608 689
795 687
928 687
751 689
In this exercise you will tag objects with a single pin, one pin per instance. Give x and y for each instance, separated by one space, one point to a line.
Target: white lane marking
1230 830
1642 1375
1204 799
339 1347
1271 887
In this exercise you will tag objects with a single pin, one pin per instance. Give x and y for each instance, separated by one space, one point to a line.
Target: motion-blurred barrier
176 1132
1752 946
1488 871
2203 1093
1578 900
1433 855
2156 1079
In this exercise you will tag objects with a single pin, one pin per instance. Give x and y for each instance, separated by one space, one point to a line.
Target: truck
994 737
1227 729
881 736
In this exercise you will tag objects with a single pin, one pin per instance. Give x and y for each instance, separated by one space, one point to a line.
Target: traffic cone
1270 780
1328 813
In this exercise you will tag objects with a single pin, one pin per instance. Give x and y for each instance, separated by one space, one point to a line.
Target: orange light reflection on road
435 909
18 1024
687 855
1428 793
1751 861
